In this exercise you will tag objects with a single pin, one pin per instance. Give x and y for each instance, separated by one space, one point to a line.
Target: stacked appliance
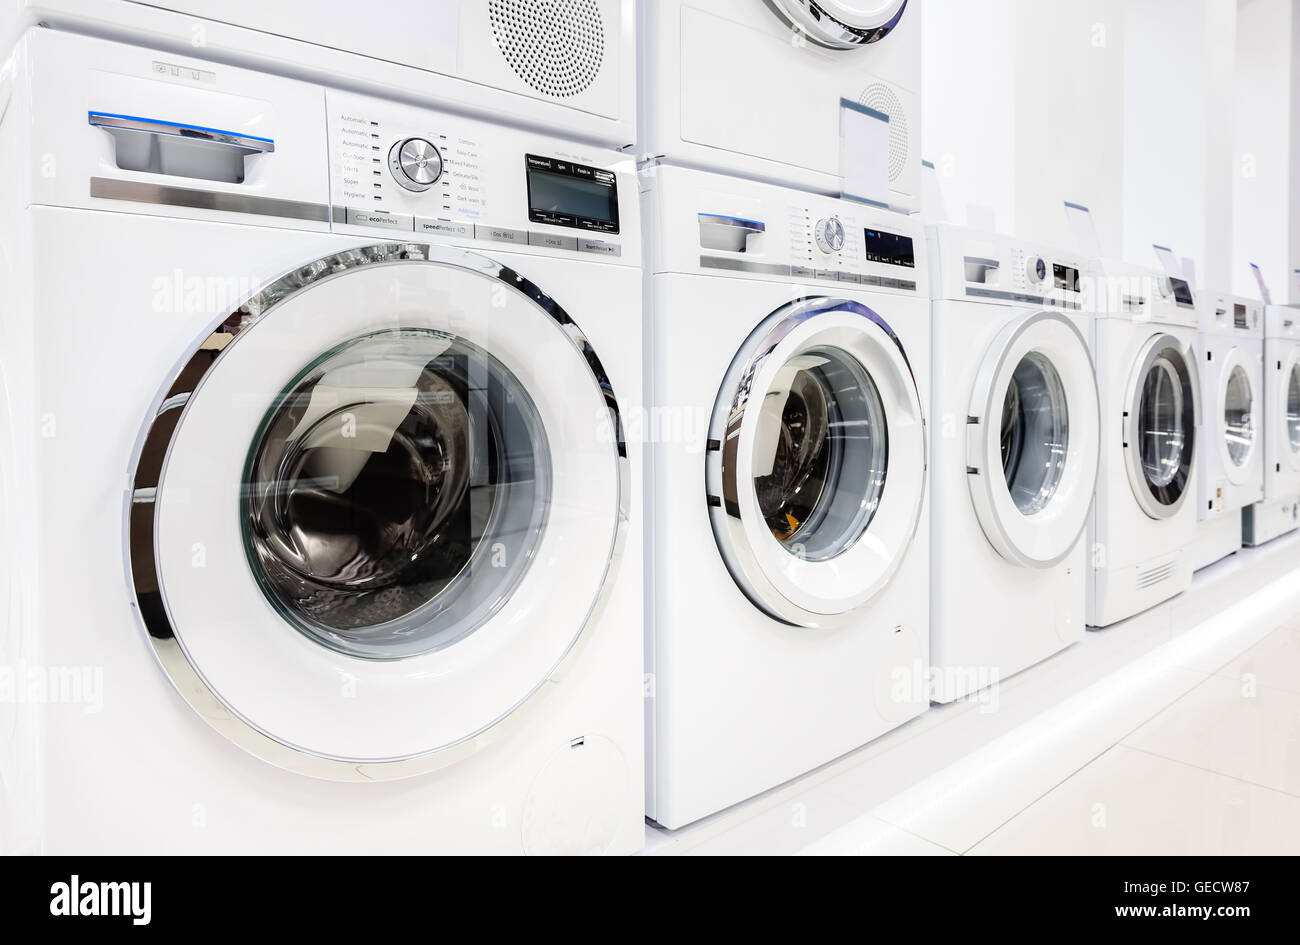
1279 510
1015 458
1143 521
318 404
787 339
1230 471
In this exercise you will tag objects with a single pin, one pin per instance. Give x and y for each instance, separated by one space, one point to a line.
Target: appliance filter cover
882 98
556 47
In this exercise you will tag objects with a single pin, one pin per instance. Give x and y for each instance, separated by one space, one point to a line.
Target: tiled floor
1178 734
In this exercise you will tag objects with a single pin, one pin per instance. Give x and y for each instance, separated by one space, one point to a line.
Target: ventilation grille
883 99
1153 576
556 46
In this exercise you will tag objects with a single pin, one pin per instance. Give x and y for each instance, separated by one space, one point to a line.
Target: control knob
1036 268
415 163
830 235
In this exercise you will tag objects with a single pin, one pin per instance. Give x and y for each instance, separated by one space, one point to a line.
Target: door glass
821 453
1238 420
1293 408
396 494
1160 423
1035 433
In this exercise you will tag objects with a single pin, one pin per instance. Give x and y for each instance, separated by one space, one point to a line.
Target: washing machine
566 67
1014 458
1144 515
787 340
1279 511
322 398
765 88
1231 465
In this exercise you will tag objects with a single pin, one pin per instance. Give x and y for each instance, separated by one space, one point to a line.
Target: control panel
436 175
980 266
1231 315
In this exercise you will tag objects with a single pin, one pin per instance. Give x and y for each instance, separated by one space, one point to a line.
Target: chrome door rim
813 20
732 541
979 476
1154 347
164 420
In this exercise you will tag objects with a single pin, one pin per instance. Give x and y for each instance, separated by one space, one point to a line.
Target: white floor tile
1273 662
869 836
1231 726
1129 802
785 828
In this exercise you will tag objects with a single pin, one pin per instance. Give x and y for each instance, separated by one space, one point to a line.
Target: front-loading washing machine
761 88
788 341
327 467
1231 458
1014 462
1144 515
1279 510
567 67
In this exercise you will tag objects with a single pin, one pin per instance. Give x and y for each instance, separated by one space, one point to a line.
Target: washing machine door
815 468
1159 438
1033 443
842 24
376 509
1238 409
1287 428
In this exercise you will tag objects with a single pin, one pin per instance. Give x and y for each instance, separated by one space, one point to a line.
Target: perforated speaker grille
555 46
883 99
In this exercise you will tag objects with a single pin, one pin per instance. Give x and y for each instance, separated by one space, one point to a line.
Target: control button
828 275
871 280
599 246
431 227
830 235
551 241
392 221
855 278
415 163
801 272
501 234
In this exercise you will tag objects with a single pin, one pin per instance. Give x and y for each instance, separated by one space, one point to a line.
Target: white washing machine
1014 458
327 481
1144 514
788 343
1231 465
567 67
1279 511
759 88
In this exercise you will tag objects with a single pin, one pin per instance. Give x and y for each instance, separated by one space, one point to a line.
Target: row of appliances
488 468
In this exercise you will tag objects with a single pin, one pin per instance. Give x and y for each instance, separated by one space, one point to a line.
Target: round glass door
1033 443
816 463
376 509
1161 427
1292 409
842 24
1238 416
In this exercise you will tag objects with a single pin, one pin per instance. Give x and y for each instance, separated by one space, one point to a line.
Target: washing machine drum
373 514
816 463
1033 443
842 24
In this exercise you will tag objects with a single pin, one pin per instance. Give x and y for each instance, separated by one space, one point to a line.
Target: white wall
968 81
1070 117
1262 188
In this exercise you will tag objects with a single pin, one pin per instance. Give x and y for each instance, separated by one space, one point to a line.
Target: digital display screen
1239 315
1182 291
890 248
1067 277
562 193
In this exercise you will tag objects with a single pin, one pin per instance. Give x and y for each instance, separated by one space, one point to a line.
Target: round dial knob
830 235
1037 268
415 163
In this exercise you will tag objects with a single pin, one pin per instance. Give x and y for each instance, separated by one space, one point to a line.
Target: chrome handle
720 219
197 132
